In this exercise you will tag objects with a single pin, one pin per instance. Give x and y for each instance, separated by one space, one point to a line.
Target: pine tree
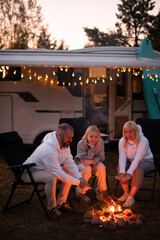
135 19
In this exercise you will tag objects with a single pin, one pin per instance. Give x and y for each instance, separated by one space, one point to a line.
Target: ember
109 214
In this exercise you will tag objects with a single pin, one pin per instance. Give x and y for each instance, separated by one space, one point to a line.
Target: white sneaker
123 198
129 202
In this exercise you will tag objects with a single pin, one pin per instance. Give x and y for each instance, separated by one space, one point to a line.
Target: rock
87 220
140 217
95 221
121 222
110 225
132 224
138 223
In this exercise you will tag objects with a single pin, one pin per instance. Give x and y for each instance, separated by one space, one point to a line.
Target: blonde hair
92 128
133 125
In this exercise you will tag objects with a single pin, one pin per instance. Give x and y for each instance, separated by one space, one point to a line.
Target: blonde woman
135 159
89 159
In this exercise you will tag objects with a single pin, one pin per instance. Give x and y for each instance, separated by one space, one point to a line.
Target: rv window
72 79
137 87
65 77
8 73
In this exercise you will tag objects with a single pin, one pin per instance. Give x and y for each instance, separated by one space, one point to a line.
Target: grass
29 222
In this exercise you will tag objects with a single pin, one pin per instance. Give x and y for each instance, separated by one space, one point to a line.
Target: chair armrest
23 166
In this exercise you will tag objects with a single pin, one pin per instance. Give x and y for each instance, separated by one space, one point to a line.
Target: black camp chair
151 130
14 152
80 125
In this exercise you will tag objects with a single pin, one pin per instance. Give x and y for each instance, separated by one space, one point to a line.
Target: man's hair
63 127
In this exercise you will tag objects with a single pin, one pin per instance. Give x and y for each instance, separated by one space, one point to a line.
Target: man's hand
83 183
86 162
120 176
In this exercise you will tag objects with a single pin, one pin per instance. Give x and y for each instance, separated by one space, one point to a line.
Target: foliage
98 38
135 19
44 40
134 24
154 31
22 26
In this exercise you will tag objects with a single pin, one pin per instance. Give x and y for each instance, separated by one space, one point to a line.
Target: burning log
110 215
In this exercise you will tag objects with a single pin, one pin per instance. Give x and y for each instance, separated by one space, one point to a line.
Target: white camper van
38 87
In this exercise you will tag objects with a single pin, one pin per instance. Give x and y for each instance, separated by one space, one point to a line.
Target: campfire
109 214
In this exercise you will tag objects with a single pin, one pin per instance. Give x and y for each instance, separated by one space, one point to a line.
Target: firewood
127 212
88 215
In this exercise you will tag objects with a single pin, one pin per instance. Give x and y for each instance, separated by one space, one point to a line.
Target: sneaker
123 198
83 198
129 202
64 207
55 212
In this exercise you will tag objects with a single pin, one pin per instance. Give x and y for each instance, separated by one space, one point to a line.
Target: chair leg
153 189
14 186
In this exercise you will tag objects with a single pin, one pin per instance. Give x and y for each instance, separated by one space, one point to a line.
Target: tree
154 31
22 25
135 20
44 40
98 38
20 20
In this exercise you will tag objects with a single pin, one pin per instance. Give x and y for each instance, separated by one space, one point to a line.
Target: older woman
135 159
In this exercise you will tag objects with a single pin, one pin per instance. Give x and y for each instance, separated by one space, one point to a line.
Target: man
54 161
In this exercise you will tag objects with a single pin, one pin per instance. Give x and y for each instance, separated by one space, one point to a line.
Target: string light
51 82
94 80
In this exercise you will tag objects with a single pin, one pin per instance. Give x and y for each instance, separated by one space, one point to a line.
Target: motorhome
103 84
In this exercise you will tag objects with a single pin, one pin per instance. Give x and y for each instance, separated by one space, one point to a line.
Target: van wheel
39 139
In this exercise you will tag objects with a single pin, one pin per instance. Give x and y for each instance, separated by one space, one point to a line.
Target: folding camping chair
14 152
151 130
80 125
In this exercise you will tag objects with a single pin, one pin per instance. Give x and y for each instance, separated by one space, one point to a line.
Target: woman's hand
91 145
127 177
120 176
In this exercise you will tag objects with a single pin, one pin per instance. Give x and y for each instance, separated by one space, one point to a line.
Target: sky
67 18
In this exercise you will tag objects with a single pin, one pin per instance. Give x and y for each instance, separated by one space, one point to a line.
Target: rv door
120 100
